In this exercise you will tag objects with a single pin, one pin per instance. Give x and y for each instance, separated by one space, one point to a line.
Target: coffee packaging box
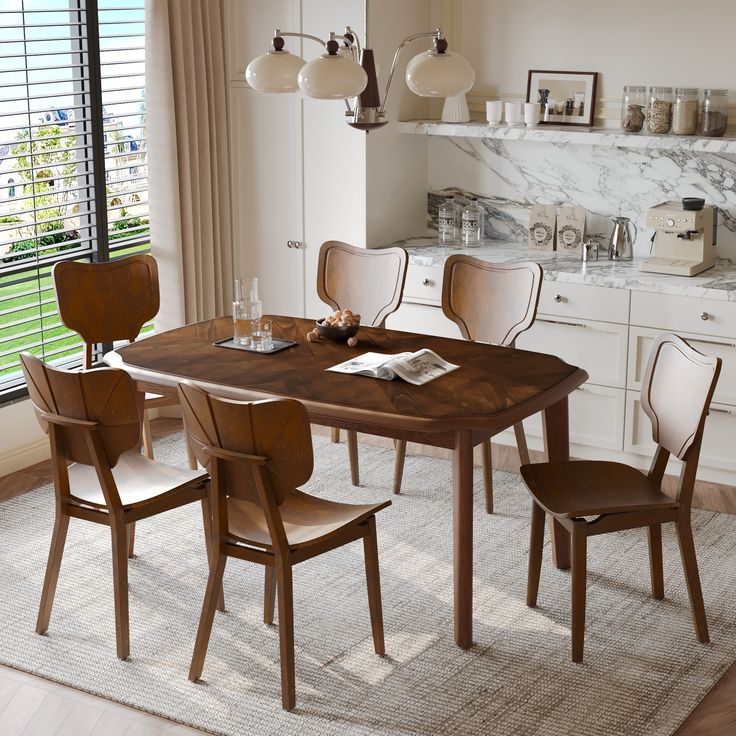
570 229
542 227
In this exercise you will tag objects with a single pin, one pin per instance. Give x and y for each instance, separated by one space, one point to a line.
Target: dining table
493 388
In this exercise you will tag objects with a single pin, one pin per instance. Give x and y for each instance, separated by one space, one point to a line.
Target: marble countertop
718 282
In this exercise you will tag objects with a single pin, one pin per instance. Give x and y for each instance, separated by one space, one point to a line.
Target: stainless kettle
621 244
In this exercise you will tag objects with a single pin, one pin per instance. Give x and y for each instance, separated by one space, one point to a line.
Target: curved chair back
676 392
104 396
369 282
110 301
275 429
490 302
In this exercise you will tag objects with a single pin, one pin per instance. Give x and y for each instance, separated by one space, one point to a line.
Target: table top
493 388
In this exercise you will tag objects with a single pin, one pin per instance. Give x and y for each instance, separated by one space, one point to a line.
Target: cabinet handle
296 244
715 342
427 282
559 298
719 411
560 322
705 316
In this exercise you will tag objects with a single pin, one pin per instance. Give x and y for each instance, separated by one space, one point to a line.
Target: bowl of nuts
340 326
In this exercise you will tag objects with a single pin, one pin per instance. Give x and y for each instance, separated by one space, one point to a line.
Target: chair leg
56 551
335 434
521 445
399 464
147 439
120 586
486 464
656 571
579 573
536 543
353 455
269 594
209 543
214 587
692 578
286 634
373 580
131 539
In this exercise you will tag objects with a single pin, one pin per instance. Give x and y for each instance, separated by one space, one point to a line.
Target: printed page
420 367
369 364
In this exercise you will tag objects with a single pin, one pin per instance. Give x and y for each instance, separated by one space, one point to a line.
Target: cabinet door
422 319
266 155
598 347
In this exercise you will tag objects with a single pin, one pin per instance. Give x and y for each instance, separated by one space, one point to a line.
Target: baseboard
22 457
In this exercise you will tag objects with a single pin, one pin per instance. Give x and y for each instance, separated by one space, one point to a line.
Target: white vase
455 110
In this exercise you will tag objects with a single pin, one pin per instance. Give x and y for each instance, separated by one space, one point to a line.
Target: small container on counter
472 223
633 106
714 117
590 250
685 111
448 221
659 110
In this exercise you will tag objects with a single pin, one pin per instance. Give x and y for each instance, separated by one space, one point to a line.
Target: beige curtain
188 163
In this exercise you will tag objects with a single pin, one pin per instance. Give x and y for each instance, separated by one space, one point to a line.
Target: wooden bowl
338 334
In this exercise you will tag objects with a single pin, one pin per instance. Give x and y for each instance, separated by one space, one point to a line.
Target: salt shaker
590 250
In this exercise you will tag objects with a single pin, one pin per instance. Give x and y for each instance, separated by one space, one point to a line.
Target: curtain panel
188 159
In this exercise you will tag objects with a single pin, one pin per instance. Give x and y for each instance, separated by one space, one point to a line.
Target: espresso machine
684 240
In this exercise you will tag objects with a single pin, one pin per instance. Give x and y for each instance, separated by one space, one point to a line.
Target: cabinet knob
427 282
705 316
297 244
558 297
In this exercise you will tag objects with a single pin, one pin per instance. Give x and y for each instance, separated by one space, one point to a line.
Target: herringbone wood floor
31 706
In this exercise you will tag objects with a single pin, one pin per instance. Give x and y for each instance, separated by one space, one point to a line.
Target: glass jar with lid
714 117
659 110
685 111
633 108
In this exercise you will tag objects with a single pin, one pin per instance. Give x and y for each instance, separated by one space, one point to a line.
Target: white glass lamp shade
332 78
274 71
430 74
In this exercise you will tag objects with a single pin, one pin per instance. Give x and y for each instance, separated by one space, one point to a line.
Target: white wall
22 443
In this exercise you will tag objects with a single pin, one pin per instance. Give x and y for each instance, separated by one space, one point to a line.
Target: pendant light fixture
337 74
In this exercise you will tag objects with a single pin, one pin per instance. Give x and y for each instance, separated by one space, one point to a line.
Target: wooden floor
32 706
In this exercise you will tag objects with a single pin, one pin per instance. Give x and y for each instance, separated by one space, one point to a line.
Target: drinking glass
262 337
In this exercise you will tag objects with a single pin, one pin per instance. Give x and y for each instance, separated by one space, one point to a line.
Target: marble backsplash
509 176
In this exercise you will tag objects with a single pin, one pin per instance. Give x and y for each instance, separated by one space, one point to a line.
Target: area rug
643 673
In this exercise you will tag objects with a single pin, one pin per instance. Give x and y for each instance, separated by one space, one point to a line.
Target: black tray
276 346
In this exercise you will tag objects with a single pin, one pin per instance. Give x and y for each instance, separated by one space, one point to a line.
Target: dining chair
597 497
368 282
257 454
92 418
493 303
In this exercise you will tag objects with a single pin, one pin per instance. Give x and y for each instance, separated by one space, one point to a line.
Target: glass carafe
247 311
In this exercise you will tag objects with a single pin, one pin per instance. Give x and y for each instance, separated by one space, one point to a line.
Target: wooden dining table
493 388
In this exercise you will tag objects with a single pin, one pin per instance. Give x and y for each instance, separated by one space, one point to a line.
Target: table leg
557 447
463 538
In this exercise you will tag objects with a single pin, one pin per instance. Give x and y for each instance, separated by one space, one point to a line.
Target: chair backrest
110 301
103 395
490 302
369 282
676 392
277 429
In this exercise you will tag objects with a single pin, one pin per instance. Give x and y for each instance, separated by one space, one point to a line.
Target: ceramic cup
494 111
513 113
532 113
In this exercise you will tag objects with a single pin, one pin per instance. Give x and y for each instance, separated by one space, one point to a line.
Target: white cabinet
584 301
423 319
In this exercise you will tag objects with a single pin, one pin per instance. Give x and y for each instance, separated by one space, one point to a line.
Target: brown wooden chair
676 392
93 422
370 283
257 454
493 303
107 302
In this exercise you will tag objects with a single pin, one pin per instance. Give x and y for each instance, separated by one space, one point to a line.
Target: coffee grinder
684 240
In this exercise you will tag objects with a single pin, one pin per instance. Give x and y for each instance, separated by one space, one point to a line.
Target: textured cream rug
643 673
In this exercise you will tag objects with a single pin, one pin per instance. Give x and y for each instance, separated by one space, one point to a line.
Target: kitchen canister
494 112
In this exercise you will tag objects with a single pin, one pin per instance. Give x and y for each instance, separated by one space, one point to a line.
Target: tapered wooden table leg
557 447
463 538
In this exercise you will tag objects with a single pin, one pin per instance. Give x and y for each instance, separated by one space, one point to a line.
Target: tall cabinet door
266 160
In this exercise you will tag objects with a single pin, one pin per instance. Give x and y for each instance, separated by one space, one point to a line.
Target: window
73 175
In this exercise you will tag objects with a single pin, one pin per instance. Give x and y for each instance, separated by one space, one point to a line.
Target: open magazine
417 368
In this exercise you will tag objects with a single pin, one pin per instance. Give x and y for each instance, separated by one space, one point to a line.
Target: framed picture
565 98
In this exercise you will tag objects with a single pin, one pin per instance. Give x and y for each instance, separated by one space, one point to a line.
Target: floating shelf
569 135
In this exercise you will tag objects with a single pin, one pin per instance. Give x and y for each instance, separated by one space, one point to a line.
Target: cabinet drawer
423 319
598 347
641 340
423 285
596 418
583 301
719 438
683 314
